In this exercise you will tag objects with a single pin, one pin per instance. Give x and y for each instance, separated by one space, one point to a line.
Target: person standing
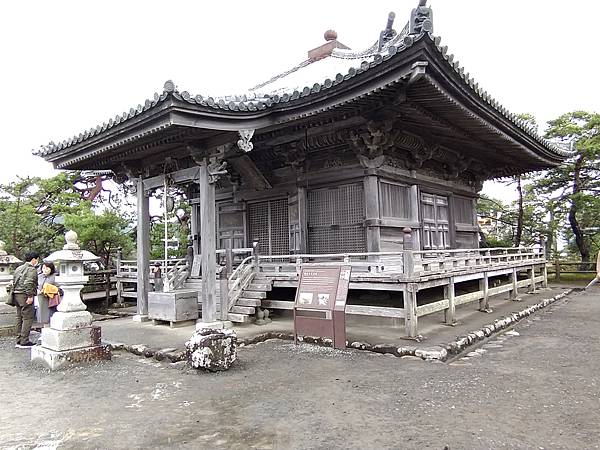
44 310
25 281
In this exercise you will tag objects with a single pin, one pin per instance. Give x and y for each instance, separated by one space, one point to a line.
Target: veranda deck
497 271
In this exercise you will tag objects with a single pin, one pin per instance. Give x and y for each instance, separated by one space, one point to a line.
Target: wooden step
243 310
260 278
239 318
248 302
254 294
259 287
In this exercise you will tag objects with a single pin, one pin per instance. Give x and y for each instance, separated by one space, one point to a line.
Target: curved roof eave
310 100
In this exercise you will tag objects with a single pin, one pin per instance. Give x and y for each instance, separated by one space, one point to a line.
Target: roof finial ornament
421 19
389 32
330 35
169 86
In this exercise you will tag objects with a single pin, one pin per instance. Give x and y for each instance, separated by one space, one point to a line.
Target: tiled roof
302 81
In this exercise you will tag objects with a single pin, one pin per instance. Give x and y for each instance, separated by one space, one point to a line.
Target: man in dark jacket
25 281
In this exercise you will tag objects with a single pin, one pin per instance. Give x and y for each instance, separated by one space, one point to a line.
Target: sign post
320 306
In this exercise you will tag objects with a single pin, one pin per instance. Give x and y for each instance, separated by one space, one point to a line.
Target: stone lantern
71 337
7 264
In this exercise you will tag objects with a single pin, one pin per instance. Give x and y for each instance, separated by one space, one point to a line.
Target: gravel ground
536 387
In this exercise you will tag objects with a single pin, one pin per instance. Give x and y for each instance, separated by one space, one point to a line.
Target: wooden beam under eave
223 123
250 173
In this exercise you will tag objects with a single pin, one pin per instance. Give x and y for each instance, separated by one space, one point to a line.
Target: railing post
531 273
484 285
119 284
298 266
449 293
410 309
224 292
545 274
514 292
229 257
256 255
557 269
408 263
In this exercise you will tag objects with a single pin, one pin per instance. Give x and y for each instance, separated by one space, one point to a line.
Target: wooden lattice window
269 224
336 219
436 229
463 211
394 201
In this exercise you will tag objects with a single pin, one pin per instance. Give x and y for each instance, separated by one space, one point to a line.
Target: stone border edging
434 353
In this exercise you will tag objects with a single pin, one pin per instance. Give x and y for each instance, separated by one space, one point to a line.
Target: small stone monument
7 264
71 337
211 349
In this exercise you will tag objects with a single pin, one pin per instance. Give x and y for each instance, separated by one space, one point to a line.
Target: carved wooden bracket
370 145
244 143
217 168
293 155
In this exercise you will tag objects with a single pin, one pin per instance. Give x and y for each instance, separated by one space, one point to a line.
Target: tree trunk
551 238
582 245
521 214
15 235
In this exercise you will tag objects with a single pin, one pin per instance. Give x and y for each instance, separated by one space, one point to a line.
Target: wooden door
436 226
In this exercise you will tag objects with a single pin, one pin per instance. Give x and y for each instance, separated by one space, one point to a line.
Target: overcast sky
68 66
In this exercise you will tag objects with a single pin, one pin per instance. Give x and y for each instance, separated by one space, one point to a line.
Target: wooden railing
425 262
409 263
239 280
364 263
128 267
559 267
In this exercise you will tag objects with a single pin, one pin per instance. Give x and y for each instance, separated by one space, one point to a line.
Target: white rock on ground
211 349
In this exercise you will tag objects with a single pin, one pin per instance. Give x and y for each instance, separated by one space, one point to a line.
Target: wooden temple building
373 158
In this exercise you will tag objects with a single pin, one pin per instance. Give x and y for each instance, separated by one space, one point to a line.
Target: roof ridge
282 74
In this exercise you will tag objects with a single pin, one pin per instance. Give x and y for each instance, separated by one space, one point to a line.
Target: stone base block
212 350
140 318
216 325
70 320
61 340
56 359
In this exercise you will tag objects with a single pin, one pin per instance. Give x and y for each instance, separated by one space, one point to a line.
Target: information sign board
319 309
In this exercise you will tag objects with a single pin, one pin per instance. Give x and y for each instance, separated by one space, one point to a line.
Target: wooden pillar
514 292
371 187
410 309
119 284
143 252
449 293
302 217
557 270
484 285
414 215
208 245
545 274
229 256
194 228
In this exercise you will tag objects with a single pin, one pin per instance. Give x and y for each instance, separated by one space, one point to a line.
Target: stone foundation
61 340
57 359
